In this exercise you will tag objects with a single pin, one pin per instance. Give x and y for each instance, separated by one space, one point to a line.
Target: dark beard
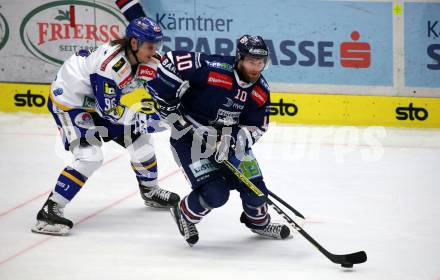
244 77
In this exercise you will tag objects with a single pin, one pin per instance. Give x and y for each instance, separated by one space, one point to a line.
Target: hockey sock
68 185
192 209
255 217
146 172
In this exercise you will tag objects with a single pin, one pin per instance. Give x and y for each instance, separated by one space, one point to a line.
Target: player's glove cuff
224 148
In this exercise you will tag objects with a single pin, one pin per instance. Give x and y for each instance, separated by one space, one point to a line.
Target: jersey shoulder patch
120 70
259 95
218 63
119 64
110 53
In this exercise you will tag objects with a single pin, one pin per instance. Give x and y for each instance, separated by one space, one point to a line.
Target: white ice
373 189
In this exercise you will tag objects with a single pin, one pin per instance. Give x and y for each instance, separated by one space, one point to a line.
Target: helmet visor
255 63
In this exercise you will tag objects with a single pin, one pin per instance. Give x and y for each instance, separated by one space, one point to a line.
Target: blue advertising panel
422 44
311 42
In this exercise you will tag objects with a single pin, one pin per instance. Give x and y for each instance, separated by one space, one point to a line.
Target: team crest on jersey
84 120
220 80
259 95
227 118
118 65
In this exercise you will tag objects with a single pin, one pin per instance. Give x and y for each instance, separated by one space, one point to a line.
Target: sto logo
355 54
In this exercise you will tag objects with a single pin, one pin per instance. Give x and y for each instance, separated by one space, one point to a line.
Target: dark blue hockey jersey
211 93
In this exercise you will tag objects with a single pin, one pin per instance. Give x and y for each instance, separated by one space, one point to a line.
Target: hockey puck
347 265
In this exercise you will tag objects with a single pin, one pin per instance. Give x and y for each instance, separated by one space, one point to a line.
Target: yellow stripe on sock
137 168
150 165
73 178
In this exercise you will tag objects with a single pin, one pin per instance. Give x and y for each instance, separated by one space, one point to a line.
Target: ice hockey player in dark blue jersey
131 9
218 106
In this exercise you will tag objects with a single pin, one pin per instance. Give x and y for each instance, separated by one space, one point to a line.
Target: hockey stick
258 192
277 198
346 260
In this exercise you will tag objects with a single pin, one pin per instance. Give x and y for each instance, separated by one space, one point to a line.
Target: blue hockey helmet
144 29
253 46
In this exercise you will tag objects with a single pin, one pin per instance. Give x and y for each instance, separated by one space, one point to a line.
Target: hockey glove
234 144
224 148
168 111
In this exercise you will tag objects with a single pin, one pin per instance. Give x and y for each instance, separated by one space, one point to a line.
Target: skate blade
191 243
268 237
48 229
176 218
157 205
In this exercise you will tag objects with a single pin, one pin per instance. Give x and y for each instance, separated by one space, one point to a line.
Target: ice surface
371 189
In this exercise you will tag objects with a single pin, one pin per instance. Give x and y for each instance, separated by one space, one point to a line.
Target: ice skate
158 198
50 220
187 229
271 230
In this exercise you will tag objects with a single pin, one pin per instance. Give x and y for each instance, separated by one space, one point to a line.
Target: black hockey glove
168 111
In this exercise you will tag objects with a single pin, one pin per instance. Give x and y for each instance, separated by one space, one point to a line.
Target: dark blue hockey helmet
253 46
144 29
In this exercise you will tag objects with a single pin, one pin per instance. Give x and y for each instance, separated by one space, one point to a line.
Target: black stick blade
349 259
358 257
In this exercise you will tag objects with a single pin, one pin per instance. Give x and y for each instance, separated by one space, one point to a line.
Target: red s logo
355 54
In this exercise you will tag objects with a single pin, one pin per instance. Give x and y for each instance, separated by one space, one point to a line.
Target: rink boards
293 108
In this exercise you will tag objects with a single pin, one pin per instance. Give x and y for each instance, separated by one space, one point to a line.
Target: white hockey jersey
95 81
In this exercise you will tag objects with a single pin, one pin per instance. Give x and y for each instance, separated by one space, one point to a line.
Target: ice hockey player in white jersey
85 103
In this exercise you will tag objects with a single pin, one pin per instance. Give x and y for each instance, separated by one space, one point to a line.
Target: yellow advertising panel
295 108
